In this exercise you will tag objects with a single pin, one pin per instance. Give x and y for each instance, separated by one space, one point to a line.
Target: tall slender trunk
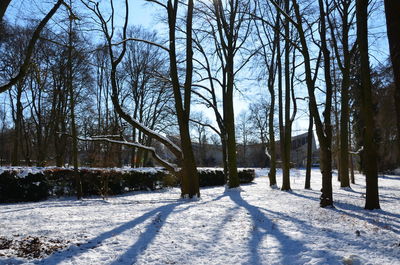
280 106
352 178
307 184
392 10
233 180
324 129
370 147
337 129
190 180
78 182
272 151
18 127
344 118
288 126
326 198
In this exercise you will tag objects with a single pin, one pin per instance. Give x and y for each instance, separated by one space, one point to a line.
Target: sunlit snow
251 225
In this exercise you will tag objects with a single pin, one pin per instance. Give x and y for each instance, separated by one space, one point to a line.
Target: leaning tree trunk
370 147
324 129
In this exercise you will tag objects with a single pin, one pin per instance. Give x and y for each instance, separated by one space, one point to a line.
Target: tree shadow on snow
11 261
291 249
355 211
158 216
372 217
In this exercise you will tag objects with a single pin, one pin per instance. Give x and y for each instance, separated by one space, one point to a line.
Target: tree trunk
190 179
78 182
280 106
326 198
326 137
233 179
344 118
288 124
324 129
352 178
309 153
18 127
392 10
224 156
272 151
370 147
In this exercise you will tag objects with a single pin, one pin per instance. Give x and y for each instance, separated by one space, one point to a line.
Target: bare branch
29 50
141 40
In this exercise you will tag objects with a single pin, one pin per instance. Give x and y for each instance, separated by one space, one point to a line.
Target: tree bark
288 124
78 182
307 184
18 127
352 178
190 179
370 147
392 10
271 131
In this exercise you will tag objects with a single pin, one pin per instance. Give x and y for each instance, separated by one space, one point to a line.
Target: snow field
254 225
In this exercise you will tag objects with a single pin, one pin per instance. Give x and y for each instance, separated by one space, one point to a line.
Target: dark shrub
246 175
103 182
10 188
34 187
61 181
143 180
14 188
216 177
211 177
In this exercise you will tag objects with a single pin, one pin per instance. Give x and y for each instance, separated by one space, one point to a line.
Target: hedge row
22 185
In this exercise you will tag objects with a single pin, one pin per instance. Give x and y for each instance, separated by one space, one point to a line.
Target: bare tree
370 150
229 28
269 53
392 9
189 178
344 51
323 128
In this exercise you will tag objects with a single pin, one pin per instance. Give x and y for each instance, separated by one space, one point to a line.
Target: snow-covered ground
257 225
